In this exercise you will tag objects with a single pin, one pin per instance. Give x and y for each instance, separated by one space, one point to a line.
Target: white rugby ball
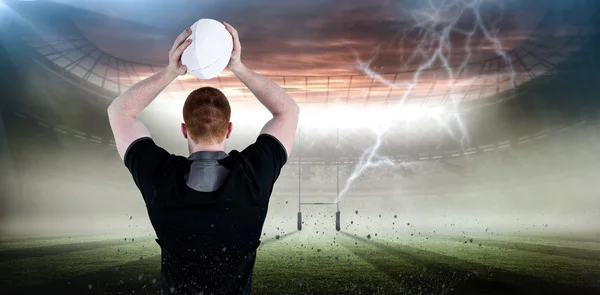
210 51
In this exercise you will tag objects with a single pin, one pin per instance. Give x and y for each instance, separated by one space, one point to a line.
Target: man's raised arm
283 107
123 111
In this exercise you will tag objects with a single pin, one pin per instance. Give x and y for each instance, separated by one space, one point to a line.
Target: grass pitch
300 263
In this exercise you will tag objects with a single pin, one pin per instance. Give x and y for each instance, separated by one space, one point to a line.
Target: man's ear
184 130
230 128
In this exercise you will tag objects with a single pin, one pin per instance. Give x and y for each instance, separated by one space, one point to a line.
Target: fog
64 186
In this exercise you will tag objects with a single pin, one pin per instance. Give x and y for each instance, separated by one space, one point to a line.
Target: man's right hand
285 111
235 63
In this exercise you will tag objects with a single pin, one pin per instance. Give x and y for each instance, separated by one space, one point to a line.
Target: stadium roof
71 54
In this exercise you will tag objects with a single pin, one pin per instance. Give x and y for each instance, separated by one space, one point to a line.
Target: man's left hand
175 66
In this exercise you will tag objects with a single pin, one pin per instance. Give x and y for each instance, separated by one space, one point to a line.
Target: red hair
206 114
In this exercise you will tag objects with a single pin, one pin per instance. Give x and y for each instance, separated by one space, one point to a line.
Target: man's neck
207 148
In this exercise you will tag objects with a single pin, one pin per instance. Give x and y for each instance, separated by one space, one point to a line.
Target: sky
301 37
378 41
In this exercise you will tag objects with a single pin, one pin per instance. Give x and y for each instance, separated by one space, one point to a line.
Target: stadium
485 187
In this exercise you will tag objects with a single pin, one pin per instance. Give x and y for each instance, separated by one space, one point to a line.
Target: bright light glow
352 118
9 17
340 116
4 10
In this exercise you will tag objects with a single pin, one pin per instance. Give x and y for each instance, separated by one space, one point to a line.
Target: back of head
206 114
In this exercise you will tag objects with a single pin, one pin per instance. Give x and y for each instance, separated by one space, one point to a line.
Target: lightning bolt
434 25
